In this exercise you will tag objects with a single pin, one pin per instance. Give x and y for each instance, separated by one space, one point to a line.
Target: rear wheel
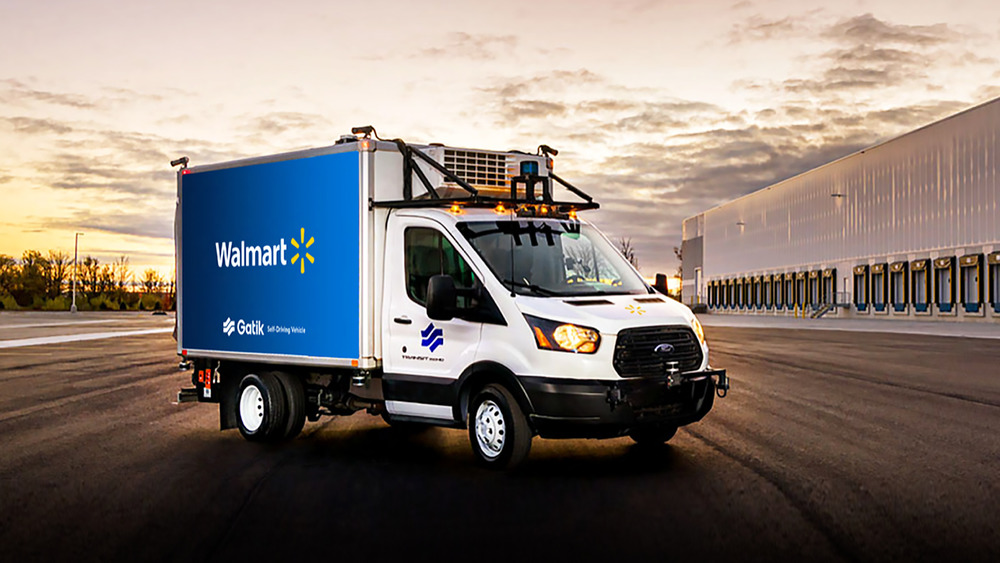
295 401
260 408
652 435
498 429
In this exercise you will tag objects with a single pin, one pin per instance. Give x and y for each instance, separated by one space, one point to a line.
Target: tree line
45 282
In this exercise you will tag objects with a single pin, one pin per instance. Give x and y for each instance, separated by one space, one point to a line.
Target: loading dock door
944 292
897 284
861 288
994 261
972 295
920 284
878 288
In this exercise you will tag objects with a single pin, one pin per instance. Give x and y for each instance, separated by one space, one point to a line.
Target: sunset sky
659 109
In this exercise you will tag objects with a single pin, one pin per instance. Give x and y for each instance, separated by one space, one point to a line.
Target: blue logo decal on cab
432 337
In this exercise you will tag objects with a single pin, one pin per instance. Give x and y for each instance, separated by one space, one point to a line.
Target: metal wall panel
932 189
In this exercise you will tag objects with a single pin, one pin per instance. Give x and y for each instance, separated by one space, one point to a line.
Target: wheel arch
480 374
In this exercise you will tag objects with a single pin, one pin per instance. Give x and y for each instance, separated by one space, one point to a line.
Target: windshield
551 258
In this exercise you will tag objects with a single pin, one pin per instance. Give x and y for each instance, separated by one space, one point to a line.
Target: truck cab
484 303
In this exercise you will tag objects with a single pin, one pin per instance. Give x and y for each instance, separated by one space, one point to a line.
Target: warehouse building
909 228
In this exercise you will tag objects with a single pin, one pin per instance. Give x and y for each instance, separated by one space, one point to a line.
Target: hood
608 314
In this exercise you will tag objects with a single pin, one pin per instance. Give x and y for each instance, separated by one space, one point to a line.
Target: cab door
423 358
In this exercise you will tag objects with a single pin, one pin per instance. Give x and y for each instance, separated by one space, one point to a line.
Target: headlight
698 330
565 337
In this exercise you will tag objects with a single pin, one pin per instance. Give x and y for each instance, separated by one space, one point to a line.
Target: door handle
402 320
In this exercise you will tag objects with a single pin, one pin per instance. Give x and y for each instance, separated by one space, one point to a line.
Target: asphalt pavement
832 446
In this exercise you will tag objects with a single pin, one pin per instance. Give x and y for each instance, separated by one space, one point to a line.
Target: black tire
269 404
652 435
502 416
295 404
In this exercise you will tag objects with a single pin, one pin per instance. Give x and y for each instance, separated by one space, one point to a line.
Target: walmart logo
232 255
432 337
229 326
295 243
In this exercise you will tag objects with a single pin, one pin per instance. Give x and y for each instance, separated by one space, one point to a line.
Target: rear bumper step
187 395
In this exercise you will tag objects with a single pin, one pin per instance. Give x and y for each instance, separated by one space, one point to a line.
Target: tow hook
673 375
722 386
614 397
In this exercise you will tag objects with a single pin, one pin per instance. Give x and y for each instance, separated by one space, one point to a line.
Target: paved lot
833 445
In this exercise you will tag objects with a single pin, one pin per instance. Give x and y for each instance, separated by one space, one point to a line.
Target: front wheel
652 435
498 429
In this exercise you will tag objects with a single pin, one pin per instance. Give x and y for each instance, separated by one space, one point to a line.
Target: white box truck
429 285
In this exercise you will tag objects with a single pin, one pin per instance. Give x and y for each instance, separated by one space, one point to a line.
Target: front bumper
574 408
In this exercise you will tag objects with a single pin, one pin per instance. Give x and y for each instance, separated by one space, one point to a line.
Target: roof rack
526 181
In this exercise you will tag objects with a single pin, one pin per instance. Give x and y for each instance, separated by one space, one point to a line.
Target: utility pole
76 248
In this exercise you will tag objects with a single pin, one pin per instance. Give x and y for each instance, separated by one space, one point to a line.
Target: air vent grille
588 302
478 168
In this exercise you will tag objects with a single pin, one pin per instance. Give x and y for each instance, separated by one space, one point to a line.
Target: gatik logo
252 328
431 337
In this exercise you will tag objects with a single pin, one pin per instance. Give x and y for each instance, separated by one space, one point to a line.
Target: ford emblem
664 349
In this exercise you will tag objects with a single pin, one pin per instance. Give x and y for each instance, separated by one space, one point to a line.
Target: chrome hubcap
491 429
252 408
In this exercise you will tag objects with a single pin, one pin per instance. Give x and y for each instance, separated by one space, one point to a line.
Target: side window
428 253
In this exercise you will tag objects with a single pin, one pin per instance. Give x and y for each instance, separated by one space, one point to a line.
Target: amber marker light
698 330
456 209
500 209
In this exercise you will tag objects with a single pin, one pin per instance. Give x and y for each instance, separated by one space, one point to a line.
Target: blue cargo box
269 258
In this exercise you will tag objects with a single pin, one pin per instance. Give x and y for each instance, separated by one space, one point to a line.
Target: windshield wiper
536 288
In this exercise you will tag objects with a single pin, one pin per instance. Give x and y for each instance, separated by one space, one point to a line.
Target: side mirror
442 298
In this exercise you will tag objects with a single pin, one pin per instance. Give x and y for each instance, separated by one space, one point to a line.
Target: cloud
580 99
19 93
988 92
277 123
32 125
150 223
468 46
685 156
518 110
869 30
554 82
69 171
758 28
869 54
913 116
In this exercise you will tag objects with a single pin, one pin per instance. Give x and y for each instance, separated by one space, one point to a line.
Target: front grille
634 355
477 168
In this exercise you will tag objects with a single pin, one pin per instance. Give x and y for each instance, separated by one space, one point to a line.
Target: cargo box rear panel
270 259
